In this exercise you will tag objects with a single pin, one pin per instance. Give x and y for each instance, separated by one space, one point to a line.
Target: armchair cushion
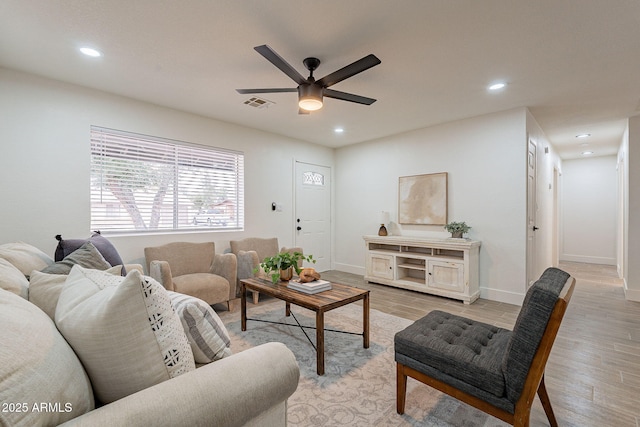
206 286
462 348
123 329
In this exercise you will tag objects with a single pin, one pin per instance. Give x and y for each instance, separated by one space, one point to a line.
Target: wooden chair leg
255 297
401 388
546 403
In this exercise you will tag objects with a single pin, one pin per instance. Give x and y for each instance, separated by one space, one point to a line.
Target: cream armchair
250 252
194 269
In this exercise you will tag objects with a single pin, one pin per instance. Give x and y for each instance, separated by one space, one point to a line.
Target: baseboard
631 294
348 268
502 296
588 259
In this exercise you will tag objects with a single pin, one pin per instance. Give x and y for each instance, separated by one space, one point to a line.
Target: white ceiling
574 63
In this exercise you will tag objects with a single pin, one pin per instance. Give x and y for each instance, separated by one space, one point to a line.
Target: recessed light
338 130
90 52
587 153
497 86
583 135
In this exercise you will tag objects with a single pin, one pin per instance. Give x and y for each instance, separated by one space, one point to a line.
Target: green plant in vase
457 229
281 266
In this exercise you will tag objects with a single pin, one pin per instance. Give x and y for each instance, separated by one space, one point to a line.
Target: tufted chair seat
462 348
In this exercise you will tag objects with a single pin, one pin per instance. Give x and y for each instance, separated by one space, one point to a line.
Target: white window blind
141 183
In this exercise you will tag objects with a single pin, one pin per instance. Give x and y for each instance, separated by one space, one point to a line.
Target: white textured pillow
38 368
45 289
205 331
25 257
124 331
12 279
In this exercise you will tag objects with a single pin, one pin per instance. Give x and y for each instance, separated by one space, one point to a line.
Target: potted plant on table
281 266
457 229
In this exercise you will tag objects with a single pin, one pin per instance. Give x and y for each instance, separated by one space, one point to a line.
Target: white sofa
43 381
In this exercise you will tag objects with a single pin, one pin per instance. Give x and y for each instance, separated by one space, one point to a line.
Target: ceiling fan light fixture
310 97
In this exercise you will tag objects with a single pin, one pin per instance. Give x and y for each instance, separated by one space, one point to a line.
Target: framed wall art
422 199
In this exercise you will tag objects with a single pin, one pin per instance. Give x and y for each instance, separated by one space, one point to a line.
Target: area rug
359 385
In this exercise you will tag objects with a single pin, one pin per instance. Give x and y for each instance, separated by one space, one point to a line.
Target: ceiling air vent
258 102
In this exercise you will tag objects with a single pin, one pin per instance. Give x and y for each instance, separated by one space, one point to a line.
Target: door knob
298 228
535 228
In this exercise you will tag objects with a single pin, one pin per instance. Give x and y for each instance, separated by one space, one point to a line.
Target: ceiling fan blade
344 96
274 90
350 70
279 62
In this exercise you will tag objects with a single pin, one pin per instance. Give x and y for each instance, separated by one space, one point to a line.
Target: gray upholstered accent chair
194 269
250 252
493 369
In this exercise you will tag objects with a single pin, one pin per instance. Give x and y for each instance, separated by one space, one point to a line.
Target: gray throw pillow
86 256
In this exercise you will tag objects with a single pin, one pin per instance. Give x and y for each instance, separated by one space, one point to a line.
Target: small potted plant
457 229
281 266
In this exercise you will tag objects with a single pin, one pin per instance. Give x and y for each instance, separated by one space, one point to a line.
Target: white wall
589 210
485 158
44 163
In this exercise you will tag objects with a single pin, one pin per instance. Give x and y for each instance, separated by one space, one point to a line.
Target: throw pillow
45 289
86 256
104 246
25 257
124 331
38 368
205 331
12 279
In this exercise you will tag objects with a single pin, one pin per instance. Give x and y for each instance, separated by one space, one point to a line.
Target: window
141 183
312 178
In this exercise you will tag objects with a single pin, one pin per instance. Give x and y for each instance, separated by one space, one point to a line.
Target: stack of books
310 287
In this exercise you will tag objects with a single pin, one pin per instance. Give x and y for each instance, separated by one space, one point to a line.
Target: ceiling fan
311 91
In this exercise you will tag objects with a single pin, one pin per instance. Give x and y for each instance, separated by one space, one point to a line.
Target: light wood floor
593 373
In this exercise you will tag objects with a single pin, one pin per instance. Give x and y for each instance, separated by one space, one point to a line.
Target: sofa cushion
104 246
124 331
462 348
86 256
25 257
12 279
529 328
205 331
38 367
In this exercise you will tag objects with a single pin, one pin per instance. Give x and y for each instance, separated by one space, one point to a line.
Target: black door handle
298 228
535 228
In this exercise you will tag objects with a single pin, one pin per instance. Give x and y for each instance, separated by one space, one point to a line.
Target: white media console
445 267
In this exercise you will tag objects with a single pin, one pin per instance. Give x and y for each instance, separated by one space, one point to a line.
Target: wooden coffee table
320 303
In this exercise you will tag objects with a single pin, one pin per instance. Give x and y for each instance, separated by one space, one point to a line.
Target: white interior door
532 207
313 212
